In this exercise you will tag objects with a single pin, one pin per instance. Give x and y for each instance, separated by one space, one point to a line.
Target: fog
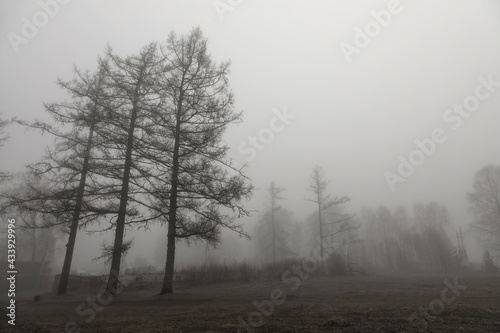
306 101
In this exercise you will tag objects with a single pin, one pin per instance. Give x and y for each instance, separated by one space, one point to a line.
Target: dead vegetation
381 303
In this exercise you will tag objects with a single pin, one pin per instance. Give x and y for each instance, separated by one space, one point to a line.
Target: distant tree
35 238
273 228
488 264
274 193
381 237
484 201
318 185
405 254
435 248
386 226
198 108
39 240
401 242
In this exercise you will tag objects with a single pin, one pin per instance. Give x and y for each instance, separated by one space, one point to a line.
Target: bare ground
318 304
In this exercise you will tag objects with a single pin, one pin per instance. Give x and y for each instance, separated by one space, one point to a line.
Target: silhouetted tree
57 185
198 108
132 101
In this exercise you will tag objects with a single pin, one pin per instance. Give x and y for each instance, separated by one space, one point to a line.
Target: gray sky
354 118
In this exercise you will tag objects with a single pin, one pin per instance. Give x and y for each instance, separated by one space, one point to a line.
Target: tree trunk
168 278
273 230
321 235
70 246
112 284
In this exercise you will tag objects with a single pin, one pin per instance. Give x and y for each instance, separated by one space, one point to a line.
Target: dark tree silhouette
198 109
57 185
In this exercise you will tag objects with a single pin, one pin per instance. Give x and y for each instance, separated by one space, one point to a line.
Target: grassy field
379 303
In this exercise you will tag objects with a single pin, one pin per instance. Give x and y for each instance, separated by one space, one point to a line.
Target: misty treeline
139 141
374 240
398 240
419 239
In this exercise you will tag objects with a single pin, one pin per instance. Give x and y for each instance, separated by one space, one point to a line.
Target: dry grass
319 304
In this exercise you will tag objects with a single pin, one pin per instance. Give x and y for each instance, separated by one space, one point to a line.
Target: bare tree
39 240
275 226
36 237
57 186
484 201
318 185
198 109
132 98
274 193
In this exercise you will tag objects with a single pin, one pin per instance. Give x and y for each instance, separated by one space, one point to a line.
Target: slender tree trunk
168 278
112 285
321 235
274 235
34 270
70 246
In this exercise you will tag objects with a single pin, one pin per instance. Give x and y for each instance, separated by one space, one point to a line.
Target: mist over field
220 142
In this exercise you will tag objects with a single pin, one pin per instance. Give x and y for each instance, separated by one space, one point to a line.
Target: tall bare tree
198 108
274 229
57 186
132 98
318 185
274 192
